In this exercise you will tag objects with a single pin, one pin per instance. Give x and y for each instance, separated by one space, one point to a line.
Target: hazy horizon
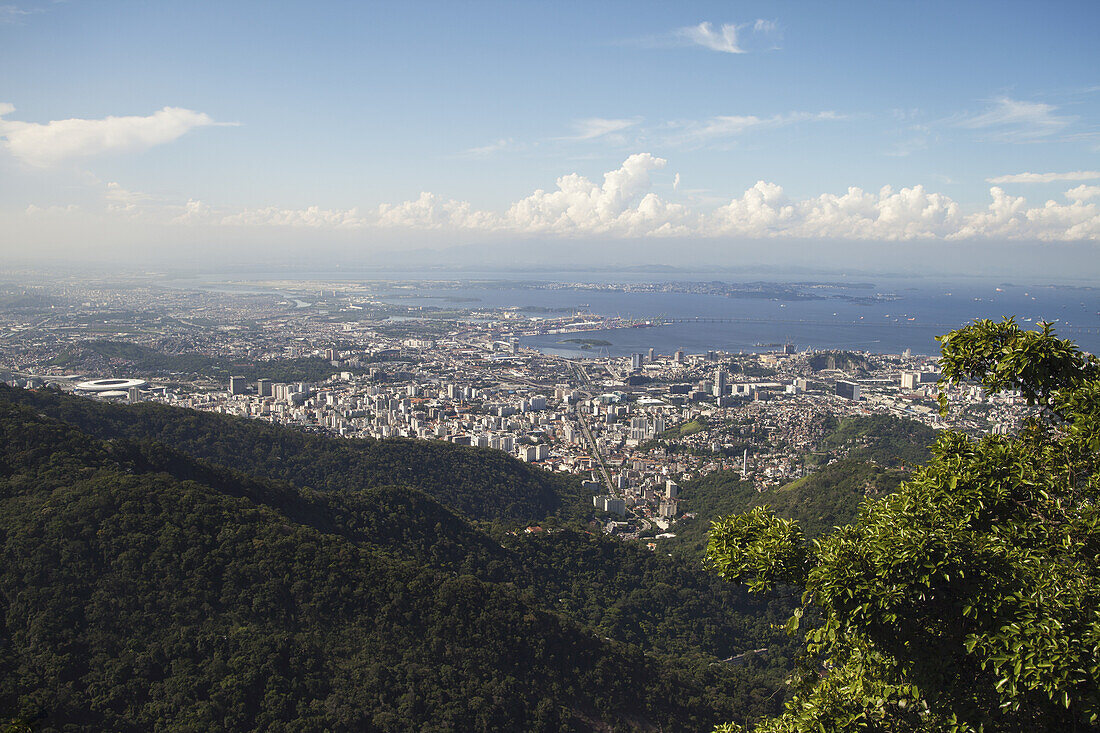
863 137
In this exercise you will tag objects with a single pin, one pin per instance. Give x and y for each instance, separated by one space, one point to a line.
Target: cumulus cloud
1045 177
732 37
624 204
312 217
199 213
621 205
194 212
1082 192
121 200
1010 217
765 211
51 211
47 144
1012 120
431 212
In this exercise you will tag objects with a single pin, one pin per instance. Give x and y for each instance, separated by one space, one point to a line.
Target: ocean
915 312
911 320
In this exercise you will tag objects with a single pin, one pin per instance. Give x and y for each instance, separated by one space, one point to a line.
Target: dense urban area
348 362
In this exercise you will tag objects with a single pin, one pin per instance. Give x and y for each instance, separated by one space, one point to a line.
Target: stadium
108 387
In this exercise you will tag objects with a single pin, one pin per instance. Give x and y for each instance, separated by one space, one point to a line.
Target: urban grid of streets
630 427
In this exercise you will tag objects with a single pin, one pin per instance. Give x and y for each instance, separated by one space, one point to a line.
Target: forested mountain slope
479 483
146 589
869 458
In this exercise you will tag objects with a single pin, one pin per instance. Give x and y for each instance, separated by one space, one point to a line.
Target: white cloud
731 37
194 212
199 213
1011 120
765 211
46 144
727 126
485 151
1082 192
1045 177
623 204
595 127
120 199
13 14
51 211
312 217
1009 217
431 212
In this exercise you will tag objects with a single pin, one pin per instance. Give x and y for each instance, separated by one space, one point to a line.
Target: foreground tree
969 600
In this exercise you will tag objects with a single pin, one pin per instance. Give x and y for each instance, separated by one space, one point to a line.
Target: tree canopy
969 599
148 586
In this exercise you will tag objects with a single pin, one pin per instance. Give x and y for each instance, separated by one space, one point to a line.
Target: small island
586 343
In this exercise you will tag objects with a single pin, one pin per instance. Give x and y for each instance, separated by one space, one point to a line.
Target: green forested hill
479 483
869 457
95 354
650 599
884 439
146 589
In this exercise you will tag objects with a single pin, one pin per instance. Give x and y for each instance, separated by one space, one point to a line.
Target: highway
583 380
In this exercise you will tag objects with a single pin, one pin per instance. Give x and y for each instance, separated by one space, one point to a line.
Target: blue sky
242 121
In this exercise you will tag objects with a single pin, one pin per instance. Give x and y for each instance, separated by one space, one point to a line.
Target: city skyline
386 128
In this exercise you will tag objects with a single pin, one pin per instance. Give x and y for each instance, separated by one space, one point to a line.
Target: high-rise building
678 357
652 355
237 385
636 361
263 387
848 390
719 382
611 504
